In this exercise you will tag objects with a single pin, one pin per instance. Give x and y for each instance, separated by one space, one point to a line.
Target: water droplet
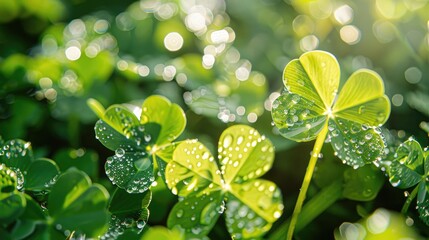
240 140
120 152
395 182
205 155
380 116
295 118
179 213
277 214
368 136
220 209
147 137
227 140
140 223
242 211
295 99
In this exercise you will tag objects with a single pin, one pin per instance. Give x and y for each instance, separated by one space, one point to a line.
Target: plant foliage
310 103
233 187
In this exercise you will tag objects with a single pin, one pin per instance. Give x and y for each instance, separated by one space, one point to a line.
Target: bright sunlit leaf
252 204
310 103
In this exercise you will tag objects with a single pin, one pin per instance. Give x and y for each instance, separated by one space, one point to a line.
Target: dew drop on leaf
140 223
179 213
120 152
227 141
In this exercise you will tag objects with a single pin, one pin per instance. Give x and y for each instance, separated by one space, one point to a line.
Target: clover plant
75 206
410 168
310 108
232 186
141 137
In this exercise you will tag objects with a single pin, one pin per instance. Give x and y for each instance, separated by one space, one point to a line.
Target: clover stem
307 178
313 208
410 198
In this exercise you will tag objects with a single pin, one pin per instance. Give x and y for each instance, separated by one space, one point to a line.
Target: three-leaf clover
139 137
309 108
251 204
410 168
17 155
310 103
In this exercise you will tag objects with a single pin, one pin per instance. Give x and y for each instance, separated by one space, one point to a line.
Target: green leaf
35 181
314 76
244 154
362 99
192 170
163 156
252 207
128 212
168 115
162 233
8 180
192 173
308 105
196 214
12 202
132 171
11 207
406 169
355 144
138 142
96 107
77 204
297 118
362 184
423 201
16 154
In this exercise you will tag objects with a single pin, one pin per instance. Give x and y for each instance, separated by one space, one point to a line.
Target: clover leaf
411 168
17 155
12 202
140 137
129 213
75 204
205 190
310 103
309 108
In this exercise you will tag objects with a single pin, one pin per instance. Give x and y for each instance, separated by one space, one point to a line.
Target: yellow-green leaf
362 99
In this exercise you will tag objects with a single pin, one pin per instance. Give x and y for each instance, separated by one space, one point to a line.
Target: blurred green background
222 61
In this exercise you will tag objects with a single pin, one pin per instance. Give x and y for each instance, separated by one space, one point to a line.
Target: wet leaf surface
206 190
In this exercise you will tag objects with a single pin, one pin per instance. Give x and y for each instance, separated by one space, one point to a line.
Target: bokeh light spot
343 14
309 43
397 100
73 53
173 41
378 221
350 34
413 75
